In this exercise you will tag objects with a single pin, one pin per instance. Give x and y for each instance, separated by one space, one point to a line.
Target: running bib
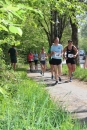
42 58
70 55
57 55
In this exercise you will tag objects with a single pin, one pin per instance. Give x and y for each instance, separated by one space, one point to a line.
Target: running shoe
59 79
56 82
70 79
41 72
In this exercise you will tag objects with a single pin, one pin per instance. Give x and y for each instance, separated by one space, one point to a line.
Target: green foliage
80 73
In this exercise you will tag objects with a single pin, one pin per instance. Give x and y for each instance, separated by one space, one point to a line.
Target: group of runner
34 58
55 53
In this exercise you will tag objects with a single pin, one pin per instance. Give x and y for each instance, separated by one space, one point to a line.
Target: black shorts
30 62
36 62
71 60
50 62
43 62
56 61
13 60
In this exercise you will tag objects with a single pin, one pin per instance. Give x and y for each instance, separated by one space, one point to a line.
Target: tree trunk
56 29
75 37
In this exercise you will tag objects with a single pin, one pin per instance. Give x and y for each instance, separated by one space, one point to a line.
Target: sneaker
59 79
56 82
41 72
52 77
70 79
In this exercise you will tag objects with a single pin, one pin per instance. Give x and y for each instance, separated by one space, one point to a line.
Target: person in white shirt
43 57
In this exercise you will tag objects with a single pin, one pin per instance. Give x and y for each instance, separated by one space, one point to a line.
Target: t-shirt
58 49
35 56
30 57
12 52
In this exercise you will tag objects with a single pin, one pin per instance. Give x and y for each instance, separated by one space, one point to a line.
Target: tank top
42 56
70 53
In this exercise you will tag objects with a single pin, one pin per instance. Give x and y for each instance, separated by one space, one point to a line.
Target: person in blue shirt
36 60
56 54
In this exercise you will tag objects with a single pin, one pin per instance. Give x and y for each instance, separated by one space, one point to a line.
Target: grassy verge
80 73
25 105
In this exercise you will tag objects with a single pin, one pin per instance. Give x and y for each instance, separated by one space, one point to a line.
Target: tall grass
26 105
80 73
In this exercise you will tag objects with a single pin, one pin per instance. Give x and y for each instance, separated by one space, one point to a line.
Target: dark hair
70 41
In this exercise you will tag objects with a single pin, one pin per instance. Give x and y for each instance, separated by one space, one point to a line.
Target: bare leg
70 70
14 66
59 70
56 74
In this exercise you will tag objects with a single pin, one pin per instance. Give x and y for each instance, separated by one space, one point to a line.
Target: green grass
80 73
26 105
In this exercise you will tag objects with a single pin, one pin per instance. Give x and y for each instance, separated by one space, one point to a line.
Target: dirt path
72 95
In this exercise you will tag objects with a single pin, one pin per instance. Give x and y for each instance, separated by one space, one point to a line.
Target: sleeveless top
70 53
42 56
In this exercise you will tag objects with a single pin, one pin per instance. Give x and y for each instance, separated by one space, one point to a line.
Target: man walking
13 56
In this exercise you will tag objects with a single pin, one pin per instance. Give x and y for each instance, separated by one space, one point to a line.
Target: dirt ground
72 95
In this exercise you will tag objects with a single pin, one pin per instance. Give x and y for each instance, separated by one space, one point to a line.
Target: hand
74 56
53 53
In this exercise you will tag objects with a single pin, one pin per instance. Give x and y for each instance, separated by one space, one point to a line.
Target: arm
76 52
16 53
9 52
85 64
64 50
45 55
39 56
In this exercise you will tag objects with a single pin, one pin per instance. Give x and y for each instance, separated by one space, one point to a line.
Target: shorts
56 61
30 62
50 62
71 60
13 60
36 62
43 62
